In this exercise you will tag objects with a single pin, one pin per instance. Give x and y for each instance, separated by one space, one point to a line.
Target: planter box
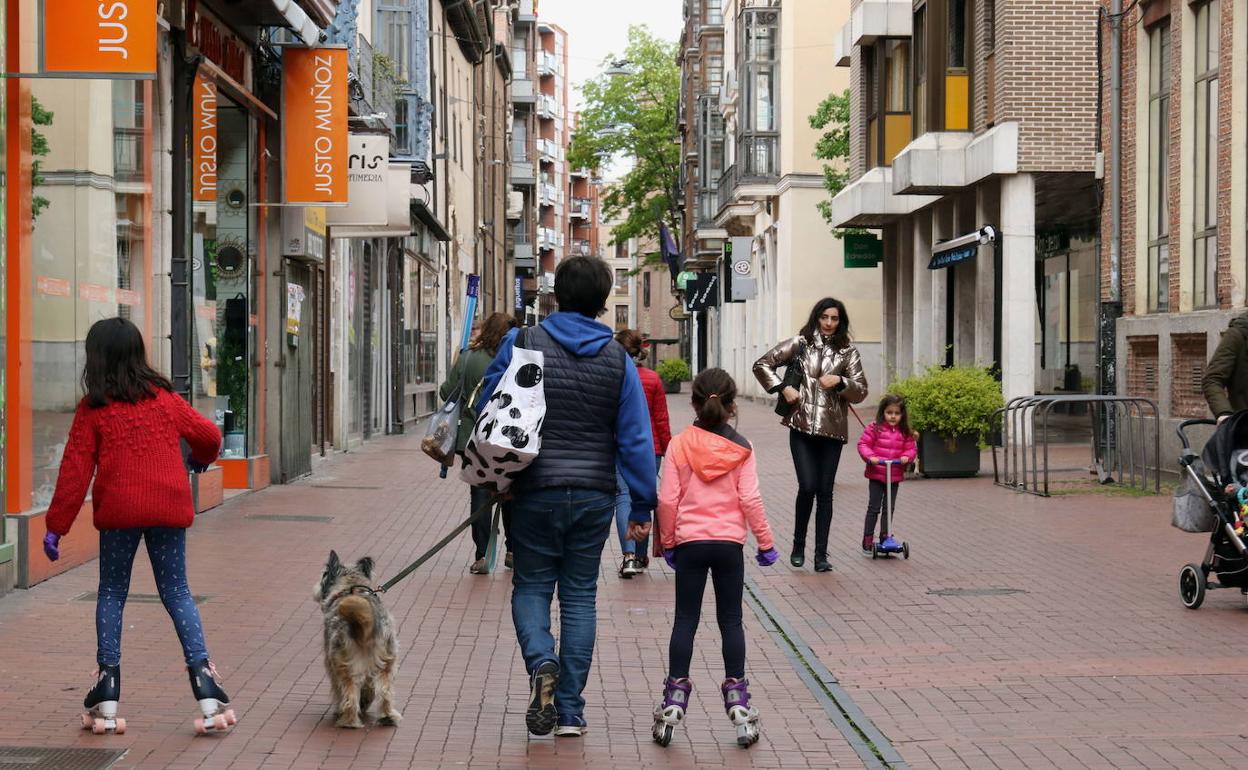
938 462
671 387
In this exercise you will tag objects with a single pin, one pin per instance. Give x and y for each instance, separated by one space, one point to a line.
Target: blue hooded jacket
584 337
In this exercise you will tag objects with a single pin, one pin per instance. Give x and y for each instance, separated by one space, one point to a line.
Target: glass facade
1205 242
1159 168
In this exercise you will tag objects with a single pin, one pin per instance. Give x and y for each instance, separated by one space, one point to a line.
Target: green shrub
674 370
951 402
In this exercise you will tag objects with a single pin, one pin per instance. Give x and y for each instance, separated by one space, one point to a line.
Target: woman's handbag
508 433
793 376
439 441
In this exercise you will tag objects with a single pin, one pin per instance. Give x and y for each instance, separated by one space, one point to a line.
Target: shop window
1188 359
1158 160
91 241
1142 362
1205 241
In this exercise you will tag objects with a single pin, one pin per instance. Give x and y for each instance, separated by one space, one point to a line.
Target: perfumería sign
204 139
368 175
94 39
314 125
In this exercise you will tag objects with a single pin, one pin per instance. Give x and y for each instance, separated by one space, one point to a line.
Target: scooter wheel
905 550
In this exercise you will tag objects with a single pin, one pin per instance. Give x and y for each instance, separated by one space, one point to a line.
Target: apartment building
974 150
522 206
753 72
1184 207
553 135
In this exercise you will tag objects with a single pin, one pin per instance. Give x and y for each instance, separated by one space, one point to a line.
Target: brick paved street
1088 660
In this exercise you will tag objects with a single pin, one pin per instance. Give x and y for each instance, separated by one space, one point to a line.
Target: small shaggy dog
360 642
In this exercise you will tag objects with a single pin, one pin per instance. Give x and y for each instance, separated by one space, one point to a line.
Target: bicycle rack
1124 429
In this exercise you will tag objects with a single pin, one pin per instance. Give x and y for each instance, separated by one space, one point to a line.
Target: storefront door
300 344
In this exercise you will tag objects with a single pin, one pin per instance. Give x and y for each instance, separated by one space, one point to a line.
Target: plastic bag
439 441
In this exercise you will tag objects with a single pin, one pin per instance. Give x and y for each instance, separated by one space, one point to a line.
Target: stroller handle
1183 426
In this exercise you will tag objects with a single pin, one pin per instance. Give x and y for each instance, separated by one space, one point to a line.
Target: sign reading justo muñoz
90 38
314 124
204 139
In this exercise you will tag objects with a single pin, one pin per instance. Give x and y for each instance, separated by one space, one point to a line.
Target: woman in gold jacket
832 378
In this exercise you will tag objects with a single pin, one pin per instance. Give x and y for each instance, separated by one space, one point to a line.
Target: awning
298 20
268 13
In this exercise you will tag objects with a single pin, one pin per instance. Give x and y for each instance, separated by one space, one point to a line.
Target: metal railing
1125 441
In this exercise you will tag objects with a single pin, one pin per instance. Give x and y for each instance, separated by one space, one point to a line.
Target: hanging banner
368 182
314 125
94 39
204 139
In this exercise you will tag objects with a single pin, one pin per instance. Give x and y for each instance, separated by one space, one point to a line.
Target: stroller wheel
1192 586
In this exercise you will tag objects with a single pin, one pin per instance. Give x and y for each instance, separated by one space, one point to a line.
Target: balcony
548 64
945 161
526 13
523 91
580 208
548 150
548 238
523 253
870 202
523 173
580 248
871 20
549 195
548 108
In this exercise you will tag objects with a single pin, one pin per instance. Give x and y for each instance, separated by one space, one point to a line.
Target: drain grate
974 591
39 758
290 517
91 596
341 486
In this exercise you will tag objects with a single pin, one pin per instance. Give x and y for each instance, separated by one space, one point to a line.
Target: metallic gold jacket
821 412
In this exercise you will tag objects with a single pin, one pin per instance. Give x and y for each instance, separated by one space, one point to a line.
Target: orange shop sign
204 139
94 38
314 125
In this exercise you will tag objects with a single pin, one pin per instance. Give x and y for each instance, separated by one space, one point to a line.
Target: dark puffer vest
582 404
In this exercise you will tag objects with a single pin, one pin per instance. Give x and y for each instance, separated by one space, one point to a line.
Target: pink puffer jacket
885 442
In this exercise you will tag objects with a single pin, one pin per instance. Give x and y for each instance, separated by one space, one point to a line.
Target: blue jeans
623 507
166 548
558 535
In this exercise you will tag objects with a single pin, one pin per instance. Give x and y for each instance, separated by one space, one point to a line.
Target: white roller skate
671 712
101 703
213 702
743 715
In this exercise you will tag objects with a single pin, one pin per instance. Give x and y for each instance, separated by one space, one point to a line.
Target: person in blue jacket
564 502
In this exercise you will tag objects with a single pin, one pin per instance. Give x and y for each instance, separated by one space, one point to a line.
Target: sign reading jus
314 124
90 38
204 139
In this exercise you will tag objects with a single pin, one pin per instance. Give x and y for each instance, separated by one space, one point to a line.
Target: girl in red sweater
887 439
127 432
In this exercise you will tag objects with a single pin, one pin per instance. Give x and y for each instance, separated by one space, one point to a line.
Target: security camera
987 235
322 37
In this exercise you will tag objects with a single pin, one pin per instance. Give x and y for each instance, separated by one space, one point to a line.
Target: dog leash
427 555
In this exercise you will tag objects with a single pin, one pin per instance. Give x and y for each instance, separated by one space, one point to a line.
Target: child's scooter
889 545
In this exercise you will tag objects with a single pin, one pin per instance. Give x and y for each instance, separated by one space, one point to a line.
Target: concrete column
964 295
942 230
922 326
903 233
889 281
986 213
1018 316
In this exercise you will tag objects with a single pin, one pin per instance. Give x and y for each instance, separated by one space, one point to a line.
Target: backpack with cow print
508 433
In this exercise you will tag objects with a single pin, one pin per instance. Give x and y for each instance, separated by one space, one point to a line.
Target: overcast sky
597 28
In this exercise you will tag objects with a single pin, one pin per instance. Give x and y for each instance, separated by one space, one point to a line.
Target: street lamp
620 68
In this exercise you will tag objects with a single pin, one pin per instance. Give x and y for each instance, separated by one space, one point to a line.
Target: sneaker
479 567
628 567
868 544
540 717
643 561
571 727
508 561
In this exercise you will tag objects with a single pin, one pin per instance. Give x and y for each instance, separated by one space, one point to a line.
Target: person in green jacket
1226 377
465 376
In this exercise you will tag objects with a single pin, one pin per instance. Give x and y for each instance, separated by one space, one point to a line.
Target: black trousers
478 497
725 561
875 501
816 459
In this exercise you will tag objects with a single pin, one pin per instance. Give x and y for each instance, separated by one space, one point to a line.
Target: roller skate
743 715
101 703
213 702
671 712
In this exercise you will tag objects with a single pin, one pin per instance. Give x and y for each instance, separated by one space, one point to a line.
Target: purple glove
767 558
669 556
51 546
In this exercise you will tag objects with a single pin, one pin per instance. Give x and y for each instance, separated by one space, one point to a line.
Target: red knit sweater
134 452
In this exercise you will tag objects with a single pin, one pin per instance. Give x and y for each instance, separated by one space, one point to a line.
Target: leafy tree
40 116
832 117
634 115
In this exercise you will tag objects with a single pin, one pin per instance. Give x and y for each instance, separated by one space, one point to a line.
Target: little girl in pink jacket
887 439
708 502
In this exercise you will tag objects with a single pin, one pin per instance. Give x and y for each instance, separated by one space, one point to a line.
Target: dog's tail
359 616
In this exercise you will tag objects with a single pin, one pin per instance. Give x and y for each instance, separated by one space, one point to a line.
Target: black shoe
797 558
541 716
822 564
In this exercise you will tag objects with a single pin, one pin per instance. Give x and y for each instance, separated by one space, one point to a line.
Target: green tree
40 116
633 115
832 117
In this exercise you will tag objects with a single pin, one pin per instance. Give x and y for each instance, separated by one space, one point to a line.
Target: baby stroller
1205 506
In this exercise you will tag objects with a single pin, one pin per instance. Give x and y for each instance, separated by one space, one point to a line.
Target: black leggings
815 458
726 563
477 497
874 502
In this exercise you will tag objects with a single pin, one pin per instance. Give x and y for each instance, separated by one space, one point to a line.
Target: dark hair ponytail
713 395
